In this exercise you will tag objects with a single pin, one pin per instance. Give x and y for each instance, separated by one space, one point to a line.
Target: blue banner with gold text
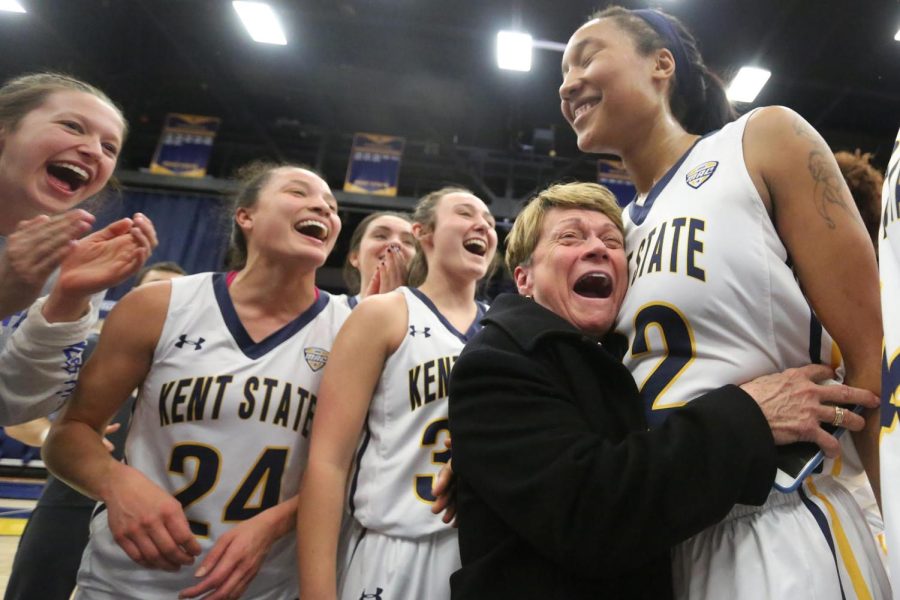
185 145
374 164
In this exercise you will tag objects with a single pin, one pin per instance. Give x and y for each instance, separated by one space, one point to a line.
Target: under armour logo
375 596
426 331
182 340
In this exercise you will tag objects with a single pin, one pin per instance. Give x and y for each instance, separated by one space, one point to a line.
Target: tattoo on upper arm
827 179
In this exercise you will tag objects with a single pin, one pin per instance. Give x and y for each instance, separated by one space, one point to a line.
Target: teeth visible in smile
476 246
594 285
580 110
312 228
81 173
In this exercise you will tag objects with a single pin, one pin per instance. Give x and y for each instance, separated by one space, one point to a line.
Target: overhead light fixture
897 35
514 51
747 84
261 22
11 6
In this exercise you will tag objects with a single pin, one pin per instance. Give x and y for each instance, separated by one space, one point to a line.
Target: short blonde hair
526 231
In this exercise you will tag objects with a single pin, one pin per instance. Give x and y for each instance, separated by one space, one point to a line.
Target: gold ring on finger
838 416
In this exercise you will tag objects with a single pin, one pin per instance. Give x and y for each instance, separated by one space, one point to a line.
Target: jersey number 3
423 483
260 489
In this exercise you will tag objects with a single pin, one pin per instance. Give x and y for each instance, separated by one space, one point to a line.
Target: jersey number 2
678 350
263 482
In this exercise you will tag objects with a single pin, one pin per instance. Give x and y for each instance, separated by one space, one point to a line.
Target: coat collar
527 323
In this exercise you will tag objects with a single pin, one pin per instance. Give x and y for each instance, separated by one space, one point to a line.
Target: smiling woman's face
384 232
59 154
609 90
578 269
295 216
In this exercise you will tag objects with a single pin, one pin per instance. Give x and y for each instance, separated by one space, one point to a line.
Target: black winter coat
563 492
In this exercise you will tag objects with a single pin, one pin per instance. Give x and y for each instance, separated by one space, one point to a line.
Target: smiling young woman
738 233
387 380
381 248
214 476
59 141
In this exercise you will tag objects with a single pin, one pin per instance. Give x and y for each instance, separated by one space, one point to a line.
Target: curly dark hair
865 182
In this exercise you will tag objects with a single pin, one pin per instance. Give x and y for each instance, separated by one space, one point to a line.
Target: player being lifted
228 370
387 381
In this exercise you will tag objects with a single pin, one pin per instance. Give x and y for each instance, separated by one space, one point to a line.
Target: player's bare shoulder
141 313
383 316
779 145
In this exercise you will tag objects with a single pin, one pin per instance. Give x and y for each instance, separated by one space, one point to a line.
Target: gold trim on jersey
641 330
843 545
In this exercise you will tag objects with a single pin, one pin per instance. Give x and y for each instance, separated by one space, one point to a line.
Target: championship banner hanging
613 175
374 164
185 145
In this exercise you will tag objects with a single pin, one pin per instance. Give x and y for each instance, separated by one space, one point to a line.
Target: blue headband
663 26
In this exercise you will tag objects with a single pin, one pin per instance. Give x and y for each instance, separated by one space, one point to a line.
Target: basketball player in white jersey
387 382
228 369
720 226
889 264
378 257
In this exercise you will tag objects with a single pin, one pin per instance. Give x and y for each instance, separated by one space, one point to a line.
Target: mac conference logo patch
701 174
315 357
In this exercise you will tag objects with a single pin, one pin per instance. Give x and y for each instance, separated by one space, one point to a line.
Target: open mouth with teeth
476 246
313 229
67 176
583 108
594 285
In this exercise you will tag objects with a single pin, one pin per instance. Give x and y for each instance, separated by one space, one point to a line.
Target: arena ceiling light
897 35
514 51
11 6
747 84
261 22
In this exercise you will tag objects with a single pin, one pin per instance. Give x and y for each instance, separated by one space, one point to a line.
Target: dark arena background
423 70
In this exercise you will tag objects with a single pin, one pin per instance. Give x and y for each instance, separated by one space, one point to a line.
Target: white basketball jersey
712 298
222 423
350 301
402 447
889 264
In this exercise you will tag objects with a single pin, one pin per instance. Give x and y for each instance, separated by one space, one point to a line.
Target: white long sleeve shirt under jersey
39 361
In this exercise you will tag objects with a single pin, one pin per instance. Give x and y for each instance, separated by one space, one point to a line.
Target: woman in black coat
563 492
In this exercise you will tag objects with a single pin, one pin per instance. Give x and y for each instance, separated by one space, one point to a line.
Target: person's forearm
60 308
866 442
282 517
318 526
75 453
14 300
865 372
15 294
